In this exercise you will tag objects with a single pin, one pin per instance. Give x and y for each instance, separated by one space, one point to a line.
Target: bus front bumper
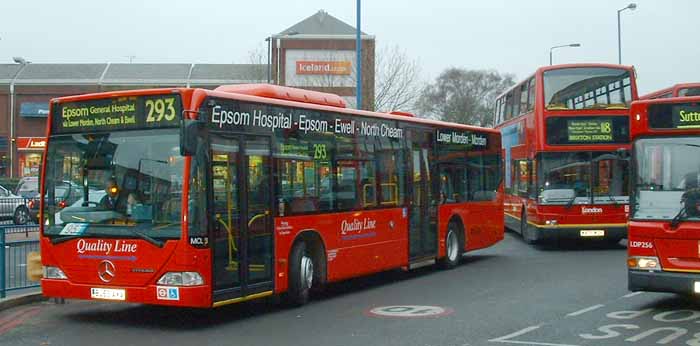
194 296
592 232
659 281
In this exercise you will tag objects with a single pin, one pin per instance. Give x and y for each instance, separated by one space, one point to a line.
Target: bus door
241 226
422 211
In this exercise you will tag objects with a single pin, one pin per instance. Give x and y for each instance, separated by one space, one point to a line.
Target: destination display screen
460 140
587 130
674 116
114 114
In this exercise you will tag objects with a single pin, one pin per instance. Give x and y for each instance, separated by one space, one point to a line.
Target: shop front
29 154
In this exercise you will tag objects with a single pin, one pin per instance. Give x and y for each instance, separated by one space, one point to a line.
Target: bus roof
672 89
273 94
543 69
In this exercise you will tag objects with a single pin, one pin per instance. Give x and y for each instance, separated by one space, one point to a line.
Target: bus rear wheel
301 275
453 247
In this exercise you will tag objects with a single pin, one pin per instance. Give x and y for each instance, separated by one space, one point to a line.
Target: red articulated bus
678 90
561 130
664 228
201 198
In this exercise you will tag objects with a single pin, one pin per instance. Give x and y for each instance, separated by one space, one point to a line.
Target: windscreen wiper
678 218
64 239
570 202
610 196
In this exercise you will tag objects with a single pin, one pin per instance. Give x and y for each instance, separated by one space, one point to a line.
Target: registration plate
593 233
108 293
696 287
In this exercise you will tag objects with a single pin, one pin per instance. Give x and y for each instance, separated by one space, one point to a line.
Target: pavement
21 297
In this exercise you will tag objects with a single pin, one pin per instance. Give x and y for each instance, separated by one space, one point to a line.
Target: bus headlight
54 273
643 263
181 279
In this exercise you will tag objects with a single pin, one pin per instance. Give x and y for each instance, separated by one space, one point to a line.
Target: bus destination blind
686 116
124 113
589 130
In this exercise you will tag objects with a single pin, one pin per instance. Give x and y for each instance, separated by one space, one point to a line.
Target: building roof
132 74
320 24
8 71
145 73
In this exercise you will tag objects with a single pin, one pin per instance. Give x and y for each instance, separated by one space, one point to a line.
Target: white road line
504 339
518 333
632 294
530 343
583 311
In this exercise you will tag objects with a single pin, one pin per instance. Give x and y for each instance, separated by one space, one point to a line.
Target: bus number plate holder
592 233
108 293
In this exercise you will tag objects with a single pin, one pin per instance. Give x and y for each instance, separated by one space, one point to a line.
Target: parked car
13 207
28 187
66 194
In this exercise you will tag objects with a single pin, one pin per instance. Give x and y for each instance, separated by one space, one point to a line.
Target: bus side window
531 94
346 191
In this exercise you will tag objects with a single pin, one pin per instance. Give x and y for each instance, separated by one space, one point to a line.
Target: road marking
18 318
632 294
504 339
409 311
583 311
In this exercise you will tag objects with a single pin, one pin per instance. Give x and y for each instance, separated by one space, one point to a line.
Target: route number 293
160 109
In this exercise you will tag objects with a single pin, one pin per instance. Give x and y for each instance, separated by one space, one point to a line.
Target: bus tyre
453 250
21 215
301 275
525 230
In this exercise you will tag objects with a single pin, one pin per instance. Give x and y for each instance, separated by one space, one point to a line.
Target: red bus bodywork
140 264
677 90
523 212
662 257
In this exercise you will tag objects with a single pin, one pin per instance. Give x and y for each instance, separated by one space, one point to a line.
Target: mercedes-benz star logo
106 271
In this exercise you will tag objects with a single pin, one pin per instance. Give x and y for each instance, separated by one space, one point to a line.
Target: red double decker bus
664 228
677 90
561 129
193 197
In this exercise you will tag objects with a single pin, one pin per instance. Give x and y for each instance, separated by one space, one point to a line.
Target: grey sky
659 38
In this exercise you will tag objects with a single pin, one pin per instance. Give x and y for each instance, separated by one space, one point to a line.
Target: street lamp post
269 58
564 45
278 43
24 63
632 7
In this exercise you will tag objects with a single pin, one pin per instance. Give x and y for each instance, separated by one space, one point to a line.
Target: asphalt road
510 294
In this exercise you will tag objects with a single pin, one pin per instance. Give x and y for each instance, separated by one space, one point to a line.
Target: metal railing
15 243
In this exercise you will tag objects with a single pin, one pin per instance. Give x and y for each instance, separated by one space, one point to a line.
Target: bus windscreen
587 88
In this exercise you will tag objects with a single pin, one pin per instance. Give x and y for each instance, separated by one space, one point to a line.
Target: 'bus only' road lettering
409 311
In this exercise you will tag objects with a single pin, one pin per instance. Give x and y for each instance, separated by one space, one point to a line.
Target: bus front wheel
525 229
301 274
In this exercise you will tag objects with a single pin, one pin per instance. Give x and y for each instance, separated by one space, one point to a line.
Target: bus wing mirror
190 130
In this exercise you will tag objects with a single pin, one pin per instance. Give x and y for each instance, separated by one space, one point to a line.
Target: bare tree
257 68
464 96
397 79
